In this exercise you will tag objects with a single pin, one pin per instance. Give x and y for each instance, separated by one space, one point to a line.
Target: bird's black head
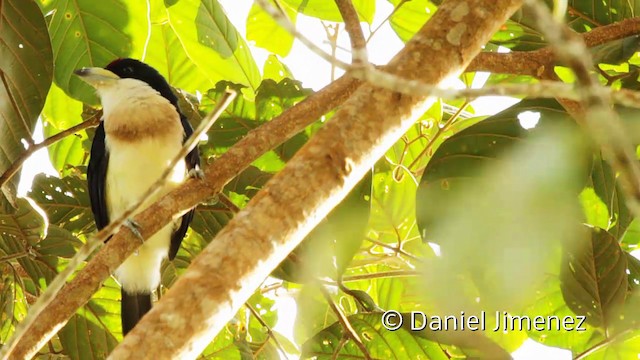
131 68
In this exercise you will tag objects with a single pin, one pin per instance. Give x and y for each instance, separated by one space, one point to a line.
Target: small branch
438 133
352 25
224 200
396 249
332 37
344 321
383 274
14 257
270 333
17 164
603 343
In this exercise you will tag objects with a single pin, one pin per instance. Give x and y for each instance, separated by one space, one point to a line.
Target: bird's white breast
141 141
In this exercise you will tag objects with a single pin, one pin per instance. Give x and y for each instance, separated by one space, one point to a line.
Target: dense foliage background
515 212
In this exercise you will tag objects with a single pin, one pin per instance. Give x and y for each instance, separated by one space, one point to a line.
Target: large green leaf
245 114
458 160
26 70
267 33
65 201
594 278
212 43
60 113
20 234
549 303
87 33
275 69
91 332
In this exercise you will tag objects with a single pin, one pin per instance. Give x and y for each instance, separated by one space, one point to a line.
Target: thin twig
396 249
332 38
270 333
439 132
352 25
374 31
17 164
382 274
92 244
344 321
603 343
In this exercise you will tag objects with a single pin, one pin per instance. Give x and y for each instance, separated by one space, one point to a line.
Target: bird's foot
134 227
196 173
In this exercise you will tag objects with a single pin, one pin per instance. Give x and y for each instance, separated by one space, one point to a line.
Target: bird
142 129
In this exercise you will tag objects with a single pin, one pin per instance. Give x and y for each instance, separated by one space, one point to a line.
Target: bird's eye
128 70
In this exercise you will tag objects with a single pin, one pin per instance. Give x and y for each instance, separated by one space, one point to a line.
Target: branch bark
227 272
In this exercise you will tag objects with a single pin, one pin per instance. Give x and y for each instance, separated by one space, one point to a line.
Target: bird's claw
134 227
196 173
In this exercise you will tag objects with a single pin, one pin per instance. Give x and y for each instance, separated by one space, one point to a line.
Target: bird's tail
133 308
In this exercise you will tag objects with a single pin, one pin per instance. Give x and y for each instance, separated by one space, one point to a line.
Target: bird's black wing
96 178
193 162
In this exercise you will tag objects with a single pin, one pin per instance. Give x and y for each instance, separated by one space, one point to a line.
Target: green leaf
60 113
327 10
314 313
594 278
212 43
328 249
400 344
13 303
244 115
87 33
59 243
267 33
26 70
603 180
226 345
410 16
20 235
595 210
65 201
633 266
275 69
549 302
90 333
585 15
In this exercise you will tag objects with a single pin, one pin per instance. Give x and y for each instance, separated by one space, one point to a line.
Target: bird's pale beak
96 76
